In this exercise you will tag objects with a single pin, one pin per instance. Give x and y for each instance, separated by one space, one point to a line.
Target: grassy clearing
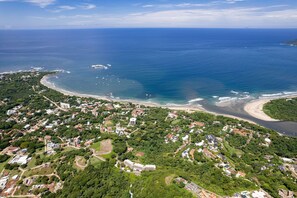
39 171
3 164
96 146
95 161
232 150
32 163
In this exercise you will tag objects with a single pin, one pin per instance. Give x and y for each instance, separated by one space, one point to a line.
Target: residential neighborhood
54 137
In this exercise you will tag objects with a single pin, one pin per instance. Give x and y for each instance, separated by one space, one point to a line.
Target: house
137 112
180 180
259 194
129 163
3 182
212 139
21 160
52 145
241 132
132 121
50 126
171 137
28 181
117 106
172 115
47 137
138 167
225 128
64 105
267 140
194 188
185 138
11 112
286 194
49 111
185 153
27 126
208 154
11 150
197 124
240 174
150 167
94 112
200 143
120 131
109 106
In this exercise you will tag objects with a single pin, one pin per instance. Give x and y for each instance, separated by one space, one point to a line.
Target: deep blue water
167 65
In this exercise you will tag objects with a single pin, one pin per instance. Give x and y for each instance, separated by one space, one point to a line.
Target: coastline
255 107
186 107
45 81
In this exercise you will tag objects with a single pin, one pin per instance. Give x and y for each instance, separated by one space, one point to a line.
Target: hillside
54 145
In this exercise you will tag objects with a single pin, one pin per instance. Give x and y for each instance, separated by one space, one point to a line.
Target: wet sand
255 109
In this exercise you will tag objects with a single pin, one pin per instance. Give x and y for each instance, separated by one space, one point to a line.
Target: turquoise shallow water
164 65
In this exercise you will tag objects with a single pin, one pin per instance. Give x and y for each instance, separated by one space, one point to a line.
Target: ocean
160 65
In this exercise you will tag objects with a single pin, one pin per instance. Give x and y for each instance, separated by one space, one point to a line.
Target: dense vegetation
103 181
282 109
250 153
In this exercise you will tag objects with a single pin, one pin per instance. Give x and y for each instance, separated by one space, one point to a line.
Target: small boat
99 66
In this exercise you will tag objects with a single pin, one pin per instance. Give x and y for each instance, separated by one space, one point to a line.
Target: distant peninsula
292 43
284 109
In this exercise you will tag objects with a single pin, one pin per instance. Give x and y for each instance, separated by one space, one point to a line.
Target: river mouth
287 128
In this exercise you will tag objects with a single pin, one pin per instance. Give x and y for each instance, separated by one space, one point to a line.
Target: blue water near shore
163 65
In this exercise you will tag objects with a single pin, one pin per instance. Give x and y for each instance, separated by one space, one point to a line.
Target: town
48 139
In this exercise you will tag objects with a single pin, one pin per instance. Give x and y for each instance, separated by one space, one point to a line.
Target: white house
150 167
132 121
21 160
129 163
3 182
138 167
185 138
64 105
258 194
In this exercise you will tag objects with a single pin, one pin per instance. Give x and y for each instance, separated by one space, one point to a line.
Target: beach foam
280 94
195 100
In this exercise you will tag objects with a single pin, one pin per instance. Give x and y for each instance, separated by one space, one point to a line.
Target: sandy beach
45 81
255 109
186 107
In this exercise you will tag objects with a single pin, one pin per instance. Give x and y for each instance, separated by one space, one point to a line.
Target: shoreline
185 107
45 81
255 107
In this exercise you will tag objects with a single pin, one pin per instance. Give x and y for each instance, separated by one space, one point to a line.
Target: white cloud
63 8
41 3
180 5
192 5
87 6
238 17
67 7
229 17
233 1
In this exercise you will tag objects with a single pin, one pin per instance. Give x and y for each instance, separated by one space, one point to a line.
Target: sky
64 14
